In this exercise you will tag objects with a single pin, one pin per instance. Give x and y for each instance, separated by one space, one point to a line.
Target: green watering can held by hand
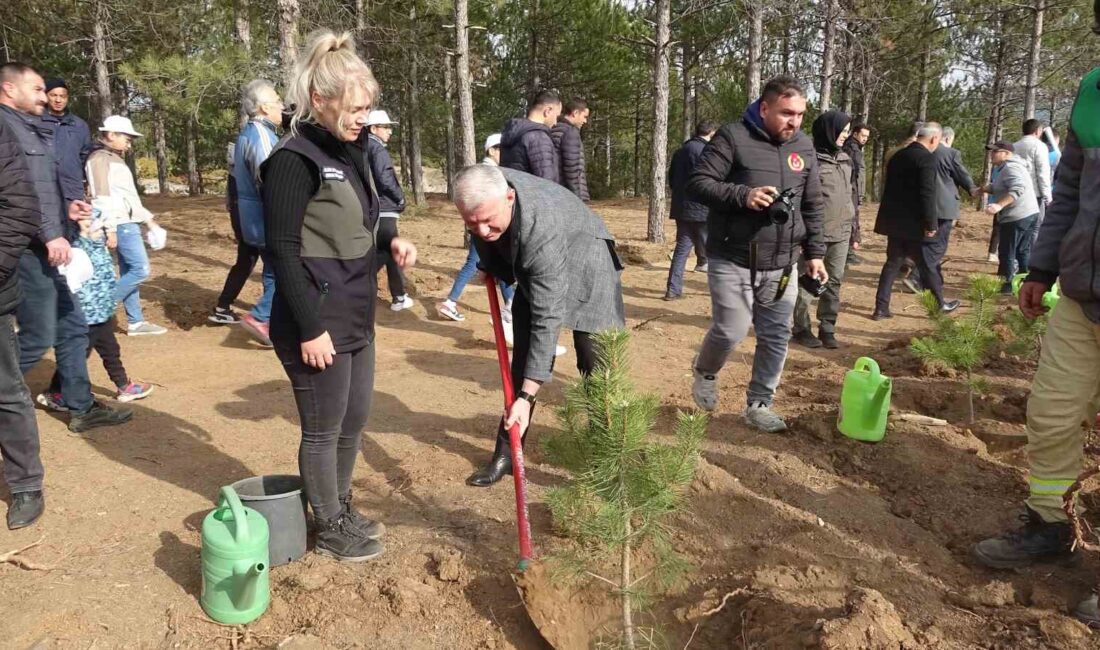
1050 298
235 563
864 402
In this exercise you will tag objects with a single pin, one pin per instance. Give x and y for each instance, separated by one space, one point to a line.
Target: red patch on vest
795 162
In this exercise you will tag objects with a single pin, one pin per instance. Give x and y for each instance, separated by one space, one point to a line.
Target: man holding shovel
539 236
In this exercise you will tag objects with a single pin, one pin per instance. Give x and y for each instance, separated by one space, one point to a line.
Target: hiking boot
257 329
761 416
99 415
133 390
806 339
1036 541
705 390
950 306
25 509
828 340
51 401
366 527
223 316
144 329
1088 611
338 538
402 302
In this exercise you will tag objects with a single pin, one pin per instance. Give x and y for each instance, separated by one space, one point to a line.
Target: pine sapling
624 486
962 344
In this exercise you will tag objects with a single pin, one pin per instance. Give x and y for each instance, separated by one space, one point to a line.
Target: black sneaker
25 509
828 339
366 527
1036 541
338 538
100 415
223 316
669 296
806 339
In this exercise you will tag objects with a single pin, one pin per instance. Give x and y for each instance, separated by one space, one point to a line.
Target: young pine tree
624 485
962 343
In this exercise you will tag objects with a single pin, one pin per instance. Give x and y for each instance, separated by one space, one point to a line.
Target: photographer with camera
759 178
909 218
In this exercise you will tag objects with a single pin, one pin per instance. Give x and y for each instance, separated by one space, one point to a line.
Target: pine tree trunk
161 147
194 182
756 52
534 80
289 12
243 20
1033 60
922 100
607 153
638 145
993 124
689 87
970 396
100 51
832 14
412 125
625 583
846 83
655 231
867 93
448 101
465 95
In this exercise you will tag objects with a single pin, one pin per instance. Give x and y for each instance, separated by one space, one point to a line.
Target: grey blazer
564 262
952 175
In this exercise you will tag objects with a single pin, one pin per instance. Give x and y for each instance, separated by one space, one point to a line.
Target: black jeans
101 338
238 273
925 255
18 429
1017 238
333 405
521 348
939 248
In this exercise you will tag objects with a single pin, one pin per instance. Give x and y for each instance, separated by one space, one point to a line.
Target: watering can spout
247 574
881 395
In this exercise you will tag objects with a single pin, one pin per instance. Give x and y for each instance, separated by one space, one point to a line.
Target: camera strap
784 279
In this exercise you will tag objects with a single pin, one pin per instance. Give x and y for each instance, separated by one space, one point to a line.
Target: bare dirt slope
832 543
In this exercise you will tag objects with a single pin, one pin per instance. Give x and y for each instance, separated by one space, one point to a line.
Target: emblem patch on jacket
795 162
332 174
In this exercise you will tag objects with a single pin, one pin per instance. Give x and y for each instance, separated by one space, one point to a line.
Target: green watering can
235 588
864 402
1050 298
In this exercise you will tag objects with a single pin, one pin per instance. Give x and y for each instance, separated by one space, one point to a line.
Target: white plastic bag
78 271
156 237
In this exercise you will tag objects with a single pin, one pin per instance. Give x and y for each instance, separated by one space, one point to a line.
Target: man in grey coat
541 237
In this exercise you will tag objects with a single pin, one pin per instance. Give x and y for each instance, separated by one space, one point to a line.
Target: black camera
780 211
811 285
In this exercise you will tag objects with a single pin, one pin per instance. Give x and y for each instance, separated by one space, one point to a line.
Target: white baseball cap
379 118
492 141
119 124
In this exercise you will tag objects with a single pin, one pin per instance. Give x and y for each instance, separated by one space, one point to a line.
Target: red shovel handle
515 440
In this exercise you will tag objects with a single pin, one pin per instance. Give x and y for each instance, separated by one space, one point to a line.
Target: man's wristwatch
527 396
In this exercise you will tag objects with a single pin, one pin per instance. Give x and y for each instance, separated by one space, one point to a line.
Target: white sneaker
762 417
144 329
450 310
402 302
994 258
705 390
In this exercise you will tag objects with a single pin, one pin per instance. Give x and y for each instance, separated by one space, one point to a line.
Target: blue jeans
262 310
466 273
689 234
133 269
1017 238
50 317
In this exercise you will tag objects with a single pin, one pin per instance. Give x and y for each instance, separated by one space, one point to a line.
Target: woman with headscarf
830 130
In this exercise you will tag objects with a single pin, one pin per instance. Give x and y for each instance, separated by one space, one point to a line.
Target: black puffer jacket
527 146
679 173
567 140
20 216
36 142
741 156
391 198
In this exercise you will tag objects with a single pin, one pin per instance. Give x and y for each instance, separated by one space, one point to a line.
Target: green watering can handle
229 496
867 363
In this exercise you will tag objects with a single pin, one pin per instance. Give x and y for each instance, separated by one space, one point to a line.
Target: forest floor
824 541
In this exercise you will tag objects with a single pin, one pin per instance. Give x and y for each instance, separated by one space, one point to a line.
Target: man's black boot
366 527
338 538
499 467
99 415
1036 541
806 339
25 509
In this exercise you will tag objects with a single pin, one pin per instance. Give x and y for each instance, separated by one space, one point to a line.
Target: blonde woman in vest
114 192
324 236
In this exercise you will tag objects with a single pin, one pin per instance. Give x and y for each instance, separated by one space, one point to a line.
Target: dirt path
837 544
